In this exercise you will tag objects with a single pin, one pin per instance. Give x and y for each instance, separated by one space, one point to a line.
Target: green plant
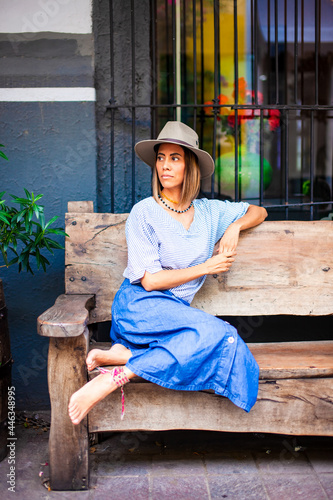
23 236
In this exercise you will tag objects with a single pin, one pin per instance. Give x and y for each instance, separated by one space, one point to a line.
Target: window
253 77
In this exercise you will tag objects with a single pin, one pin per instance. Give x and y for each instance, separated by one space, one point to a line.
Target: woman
171 237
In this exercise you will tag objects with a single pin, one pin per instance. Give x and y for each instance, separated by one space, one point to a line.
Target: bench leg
68 443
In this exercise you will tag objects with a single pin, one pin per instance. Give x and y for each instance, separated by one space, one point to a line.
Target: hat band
177 141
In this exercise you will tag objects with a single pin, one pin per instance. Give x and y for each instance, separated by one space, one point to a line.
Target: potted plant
24 237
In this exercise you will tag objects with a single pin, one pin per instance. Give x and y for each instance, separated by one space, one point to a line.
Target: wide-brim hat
176 133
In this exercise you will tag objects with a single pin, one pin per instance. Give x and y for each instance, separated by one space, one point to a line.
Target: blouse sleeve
224 213
142 246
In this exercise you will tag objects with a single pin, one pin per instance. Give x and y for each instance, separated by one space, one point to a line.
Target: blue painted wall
52 150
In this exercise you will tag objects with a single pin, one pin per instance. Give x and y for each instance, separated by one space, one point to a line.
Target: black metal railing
279 127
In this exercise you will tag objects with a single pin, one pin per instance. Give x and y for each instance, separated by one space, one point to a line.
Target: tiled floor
182 465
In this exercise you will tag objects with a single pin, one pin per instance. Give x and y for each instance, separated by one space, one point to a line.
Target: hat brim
146 152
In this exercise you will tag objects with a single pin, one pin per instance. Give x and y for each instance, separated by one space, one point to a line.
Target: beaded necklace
173 209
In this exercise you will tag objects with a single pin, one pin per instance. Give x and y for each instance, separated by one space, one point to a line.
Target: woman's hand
229 240
220 263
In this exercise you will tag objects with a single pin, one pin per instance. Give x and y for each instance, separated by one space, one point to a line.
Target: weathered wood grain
67 318
68 443
287 360
282 360
277 270
80 206
299 407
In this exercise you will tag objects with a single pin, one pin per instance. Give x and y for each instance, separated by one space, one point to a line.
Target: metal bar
285 53
302 93
183 54
286 163
236 51
261 155
167 36
174 59
195 90
133 99
317 34
311 162
269 49
238 187
302 50
154 68
216 80
178 81
276 54
295 51
255 40
216 48
236 99
112 100
306 107
252 48
306 204
202 71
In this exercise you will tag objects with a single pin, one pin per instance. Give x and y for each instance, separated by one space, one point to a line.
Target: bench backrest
282 267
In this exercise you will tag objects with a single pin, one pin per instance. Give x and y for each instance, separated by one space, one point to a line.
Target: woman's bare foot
83 400
117 355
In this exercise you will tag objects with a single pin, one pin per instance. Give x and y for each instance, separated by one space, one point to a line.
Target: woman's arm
220 263
170 278
255 215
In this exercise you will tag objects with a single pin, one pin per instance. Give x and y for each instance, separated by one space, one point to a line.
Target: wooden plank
282 360
68 443
67 318
96 256
295 407
81 206
276 270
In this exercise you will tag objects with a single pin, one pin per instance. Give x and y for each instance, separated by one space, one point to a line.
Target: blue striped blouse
157 241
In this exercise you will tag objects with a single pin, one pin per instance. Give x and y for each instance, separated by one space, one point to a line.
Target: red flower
273 119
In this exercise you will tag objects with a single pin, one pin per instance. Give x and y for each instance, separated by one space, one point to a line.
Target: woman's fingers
221 262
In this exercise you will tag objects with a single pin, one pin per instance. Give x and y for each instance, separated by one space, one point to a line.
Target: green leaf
13 261
54 244
4 218
38 259
42 219
4 255
2 154
59 231
28 195
51 221
20 215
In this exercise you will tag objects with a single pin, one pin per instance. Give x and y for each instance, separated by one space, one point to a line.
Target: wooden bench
282 268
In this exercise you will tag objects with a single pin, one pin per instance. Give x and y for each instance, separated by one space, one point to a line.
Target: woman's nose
166 165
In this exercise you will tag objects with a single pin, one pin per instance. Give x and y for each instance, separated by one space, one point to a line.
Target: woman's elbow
147 282
264 213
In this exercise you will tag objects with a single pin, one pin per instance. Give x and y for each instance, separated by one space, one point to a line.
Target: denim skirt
182 348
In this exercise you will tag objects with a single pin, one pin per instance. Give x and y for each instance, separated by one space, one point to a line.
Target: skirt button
231 340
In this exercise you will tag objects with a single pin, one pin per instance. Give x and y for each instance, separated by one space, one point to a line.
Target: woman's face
170 165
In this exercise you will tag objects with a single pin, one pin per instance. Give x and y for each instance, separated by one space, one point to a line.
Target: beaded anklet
120 379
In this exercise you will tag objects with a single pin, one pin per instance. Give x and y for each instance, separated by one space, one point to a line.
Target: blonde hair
191 182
